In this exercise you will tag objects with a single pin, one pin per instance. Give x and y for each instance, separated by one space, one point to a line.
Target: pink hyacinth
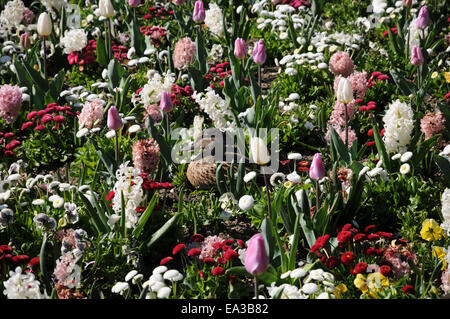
64 268
10 102
338 115
445 279
341 132
28 16
184 53
207 246
432 124
358 81
92 114
154 112
145 155
341 64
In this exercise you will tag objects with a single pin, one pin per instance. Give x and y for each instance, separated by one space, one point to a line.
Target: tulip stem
259 76
110 54
269 203
117 147
45 57
255 282
317 196
346 125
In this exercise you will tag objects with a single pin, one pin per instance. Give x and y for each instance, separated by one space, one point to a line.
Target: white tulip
344 92
260 153
106 8
44 25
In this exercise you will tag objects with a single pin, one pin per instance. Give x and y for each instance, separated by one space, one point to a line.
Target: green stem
269 203
255 282
45 58
346 125
117 148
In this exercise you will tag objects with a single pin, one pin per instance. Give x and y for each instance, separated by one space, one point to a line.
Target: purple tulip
166 104
199 11
317 169
240 48
416 56
423 19
259 53
114 119
134 3
256 259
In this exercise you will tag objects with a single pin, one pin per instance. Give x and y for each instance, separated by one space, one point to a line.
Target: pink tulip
416 56
256 259
407 3
134 3
240 48
25 41
259 53
317 169
423 19
166 104
114 119
199 11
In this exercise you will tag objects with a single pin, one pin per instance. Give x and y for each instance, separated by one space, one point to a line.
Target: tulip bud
407 3
317 169
256 259
166 104
25 41
134 3
44 25
259 53
199 11
106 8
240 48
114 119
259 151
423 19
344 92
416 56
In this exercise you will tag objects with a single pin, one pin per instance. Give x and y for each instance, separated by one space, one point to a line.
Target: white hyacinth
74 40
214 18
157 83
12 14
399 124
22 286
216 108
445 200
130 184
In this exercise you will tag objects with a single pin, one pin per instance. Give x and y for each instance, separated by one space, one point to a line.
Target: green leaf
102 54
56 85
444 166
381 148
339 146
163 230
269 241
145 216
407 88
